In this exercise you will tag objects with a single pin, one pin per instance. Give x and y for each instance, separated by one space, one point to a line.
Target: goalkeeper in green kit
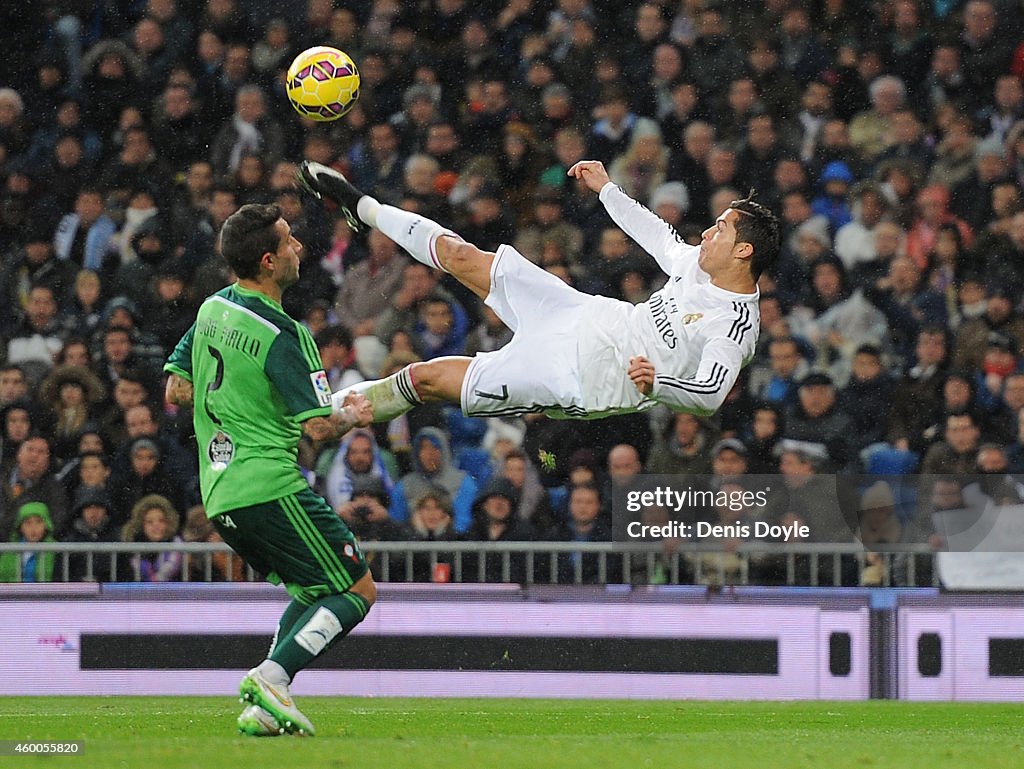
256 382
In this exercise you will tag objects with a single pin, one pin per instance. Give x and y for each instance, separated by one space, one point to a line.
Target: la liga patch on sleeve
321 387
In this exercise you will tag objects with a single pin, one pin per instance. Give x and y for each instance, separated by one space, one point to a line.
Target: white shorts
538 371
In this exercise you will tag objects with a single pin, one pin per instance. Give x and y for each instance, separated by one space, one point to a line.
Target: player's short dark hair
247 235
758 226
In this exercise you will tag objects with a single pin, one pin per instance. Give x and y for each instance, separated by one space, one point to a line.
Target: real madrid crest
692 317
221 450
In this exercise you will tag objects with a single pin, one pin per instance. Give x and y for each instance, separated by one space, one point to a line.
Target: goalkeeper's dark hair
247 235
758 226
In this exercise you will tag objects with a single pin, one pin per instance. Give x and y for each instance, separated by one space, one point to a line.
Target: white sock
274 673
391 397
367 208
415 233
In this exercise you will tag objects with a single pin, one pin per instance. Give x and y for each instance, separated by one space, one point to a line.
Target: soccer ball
323 83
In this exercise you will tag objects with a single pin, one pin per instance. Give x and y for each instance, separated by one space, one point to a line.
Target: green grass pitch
190 733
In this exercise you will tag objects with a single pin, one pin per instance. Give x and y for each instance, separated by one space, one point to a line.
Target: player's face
717 243
288 255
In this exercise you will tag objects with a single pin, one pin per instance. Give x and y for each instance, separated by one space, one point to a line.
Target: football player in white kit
575 355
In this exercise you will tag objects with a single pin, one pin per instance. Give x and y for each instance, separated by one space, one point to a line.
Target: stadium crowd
888 135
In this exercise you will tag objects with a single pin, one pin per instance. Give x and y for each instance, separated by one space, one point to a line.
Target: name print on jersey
229 337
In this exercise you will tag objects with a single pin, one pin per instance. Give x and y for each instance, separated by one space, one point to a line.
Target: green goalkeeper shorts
297 540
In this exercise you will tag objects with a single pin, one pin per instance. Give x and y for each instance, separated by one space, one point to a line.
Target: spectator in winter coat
867 397
154 520
433 467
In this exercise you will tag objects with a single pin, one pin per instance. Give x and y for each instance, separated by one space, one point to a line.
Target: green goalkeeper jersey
256 375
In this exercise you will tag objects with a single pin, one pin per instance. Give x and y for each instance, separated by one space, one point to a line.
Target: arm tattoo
327 428
319 429
179 391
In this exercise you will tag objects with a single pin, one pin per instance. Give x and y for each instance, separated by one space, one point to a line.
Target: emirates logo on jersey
692 317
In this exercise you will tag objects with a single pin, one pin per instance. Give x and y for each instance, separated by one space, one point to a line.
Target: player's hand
591 172
641 371
359 409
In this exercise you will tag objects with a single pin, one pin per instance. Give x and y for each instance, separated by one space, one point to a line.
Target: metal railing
539 562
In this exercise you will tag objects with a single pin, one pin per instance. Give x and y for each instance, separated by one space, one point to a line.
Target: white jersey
697 335
570 352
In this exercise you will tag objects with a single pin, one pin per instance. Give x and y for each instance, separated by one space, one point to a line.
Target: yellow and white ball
323 83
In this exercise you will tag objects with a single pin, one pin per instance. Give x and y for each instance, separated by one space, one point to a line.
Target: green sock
320 626
291 615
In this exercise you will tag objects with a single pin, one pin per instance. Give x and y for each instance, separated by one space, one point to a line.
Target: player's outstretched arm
655 236
704 392
356 411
